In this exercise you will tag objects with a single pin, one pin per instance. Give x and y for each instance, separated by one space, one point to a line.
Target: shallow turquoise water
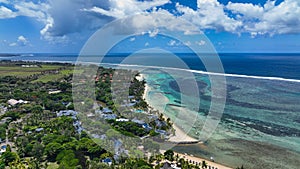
260 126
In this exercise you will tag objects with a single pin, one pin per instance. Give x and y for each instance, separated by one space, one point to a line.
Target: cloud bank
63 18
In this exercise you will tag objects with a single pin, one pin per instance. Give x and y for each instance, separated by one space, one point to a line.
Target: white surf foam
208 73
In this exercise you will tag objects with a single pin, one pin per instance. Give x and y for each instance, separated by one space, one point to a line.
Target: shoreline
199 160
180 136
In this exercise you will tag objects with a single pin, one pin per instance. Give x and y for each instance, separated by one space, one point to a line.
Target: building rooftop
106 110
39 129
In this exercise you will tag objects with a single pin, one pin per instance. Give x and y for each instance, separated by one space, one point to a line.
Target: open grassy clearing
19 71
53 77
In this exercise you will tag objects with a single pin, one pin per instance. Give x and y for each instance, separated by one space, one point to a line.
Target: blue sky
55 26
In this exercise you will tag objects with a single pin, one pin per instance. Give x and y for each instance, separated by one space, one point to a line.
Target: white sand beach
199 160
180 135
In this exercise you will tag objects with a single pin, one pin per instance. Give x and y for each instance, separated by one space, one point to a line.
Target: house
109 116
138 121
39 129
14 102
54 92
107 110
122 120
107 161
90 115
67 113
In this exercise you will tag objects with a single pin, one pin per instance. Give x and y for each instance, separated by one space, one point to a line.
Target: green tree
37 151
8 157
169 155
52 150
67 160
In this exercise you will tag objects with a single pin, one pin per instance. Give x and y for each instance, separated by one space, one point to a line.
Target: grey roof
109 116
138 121
106 110
39 129
67 113
130 97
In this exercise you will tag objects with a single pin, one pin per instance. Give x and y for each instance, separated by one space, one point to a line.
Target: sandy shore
180 135
199 160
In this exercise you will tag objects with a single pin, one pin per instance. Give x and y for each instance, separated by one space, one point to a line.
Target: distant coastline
8 55
236 65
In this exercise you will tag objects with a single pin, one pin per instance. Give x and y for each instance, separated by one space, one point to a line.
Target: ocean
260 126
285 65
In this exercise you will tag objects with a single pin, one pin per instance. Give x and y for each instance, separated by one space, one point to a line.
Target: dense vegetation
38 138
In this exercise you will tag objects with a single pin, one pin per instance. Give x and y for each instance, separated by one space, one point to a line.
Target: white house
122 120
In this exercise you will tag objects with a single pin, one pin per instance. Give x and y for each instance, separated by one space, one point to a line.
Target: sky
56 26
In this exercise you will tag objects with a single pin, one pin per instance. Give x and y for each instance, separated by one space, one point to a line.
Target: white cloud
33 10
21 41
6 13
23 8
248 10
280 19
63 19
247 18
209 15
160 21
269 19
123 8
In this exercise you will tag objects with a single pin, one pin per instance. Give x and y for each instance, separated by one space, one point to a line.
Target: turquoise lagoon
260 126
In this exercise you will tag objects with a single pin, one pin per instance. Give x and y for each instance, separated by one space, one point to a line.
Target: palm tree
204 164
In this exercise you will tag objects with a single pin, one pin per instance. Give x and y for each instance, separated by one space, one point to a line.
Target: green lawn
54 77
47 78
16 70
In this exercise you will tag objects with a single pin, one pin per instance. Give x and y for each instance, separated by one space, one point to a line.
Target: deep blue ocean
283 65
